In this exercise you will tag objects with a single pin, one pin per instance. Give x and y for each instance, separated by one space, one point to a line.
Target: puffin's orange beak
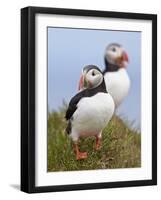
81 82
125 57
123 60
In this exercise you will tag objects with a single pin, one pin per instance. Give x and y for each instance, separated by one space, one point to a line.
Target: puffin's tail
68 128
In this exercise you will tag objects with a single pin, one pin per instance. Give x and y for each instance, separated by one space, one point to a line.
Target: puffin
90 110
115 74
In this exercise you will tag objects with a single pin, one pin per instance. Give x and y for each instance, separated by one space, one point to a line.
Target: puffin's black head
91 77
115 55
91 67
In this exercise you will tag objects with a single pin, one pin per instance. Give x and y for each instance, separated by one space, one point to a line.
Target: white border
91 176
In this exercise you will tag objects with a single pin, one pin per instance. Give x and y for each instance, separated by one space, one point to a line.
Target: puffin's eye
93 73
113 49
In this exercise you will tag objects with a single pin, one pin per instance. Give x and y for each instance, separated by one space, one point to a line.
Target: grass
121 147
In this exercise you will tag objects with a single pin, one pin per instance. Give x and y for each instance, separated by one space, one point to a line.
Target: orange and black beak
125 57
81 82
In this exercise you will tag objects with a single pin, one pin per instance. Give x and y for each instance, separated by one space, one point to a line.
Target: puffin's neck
99 88
110 67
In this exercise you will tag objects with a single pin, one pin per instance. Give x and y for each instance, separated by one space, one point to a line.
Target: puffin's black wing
73 104
106 66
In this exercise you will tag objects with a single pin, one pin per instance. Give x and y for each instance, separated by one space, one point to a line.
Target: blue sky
69 50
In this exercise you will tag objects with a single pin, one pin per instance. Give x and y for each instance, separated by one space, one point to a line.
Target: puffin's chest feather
93 113
98 104
117 84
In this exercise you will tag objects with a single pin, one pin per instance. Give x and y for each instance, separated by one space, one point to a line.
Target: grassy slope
121 147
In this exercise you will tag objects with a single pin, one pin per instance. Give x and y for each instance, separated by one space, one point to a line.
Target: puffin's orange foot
81 155
98 143
97 147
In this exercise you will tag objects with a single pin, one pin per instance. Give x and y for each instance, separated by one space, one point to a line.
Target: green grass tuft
121 147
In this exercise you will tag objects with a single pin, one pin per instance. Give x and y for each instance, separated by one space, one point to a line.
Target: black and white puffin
115 74
90 110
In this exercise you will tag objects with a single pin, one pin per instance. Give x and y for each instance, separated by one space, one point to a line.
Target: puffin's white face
90 78
116 55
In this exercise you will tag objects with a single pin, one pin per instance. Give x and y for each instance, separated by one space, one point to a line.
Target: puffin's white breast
93 113
118 85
